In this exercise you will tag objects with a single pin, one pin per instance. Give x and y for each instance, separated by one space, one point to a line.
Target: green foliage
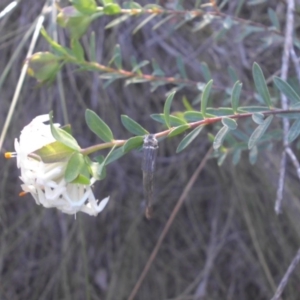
261 85
63 137
133 126
189 138
98 126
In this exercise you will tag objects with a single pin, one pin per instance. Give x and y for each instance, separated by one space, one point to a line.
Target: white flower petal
45 181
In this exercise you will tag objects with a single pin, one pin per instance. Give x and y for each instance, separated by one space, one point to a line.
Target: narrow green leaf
62 136
138 66
77 49
236 156
131 5
53 44
180 66
230 123
294 131
54 152
133 143
252 109
232 74
178 130
260 84
258 118
221 158
117 57
287 90
98 126
220 136
101 168
75 164
112 9
205 71
132 126
221 111
193 116
253 155
188 139
235 95
115 155
117 21
167 108
274 19
259 132
187 104
143 23
205 96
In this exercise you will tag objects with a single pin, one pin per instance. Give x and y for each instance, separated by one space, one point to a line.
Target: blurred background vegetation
226 241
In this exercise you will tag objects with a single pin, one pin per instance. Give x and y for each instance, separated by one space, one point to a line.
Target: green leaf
294 131
287 90
117 21
101 168
54 152
258 118
77 49
253 155
259 132
235 95
138 66
98 126
133 143
52 43
132 126
260 84
252 109
220 136
230 123
193 116
75 164
167 108
205 71
116 154
232 74
178 130
81 179
143 23
188 139
85 6
62 136
117 57
131 5
236 156
204 97
221 111
180 66
94 167
174 121
221 158
112 9
273 18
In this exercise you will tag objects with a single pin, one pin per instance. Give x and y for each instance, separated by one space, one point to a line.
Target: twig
168 224
286 276
288 43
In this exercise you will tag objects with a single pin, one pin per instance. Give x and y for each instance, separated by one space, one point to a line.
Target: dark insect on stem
148 167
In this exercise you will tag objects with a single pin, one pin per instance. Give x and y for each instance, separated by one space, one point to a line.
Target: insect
150 147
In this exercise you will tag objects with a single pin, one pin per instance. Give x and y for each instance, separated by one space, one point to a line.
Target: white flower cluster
45 181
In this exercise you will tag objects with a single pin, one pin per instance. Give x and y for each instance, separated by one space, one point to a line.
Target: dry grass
225 243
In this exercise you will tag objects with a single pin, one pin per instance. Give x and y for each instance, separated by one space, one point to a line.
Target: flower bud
43 66
73 20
